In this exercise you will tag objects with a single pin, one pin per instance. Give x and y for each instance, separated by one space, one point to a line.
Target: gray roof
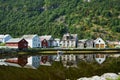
15 40
47 37
89 40
3 36
28 36
71 36
82 40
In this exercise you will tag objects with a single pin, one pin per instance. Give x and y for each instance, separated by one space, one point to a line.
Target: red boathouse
17 43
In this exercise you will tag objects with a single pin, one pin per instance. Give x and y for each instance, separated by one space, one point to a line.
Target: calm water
47 60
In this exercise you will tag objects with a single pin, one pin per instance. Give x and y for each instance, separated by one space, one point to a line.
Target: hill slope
56 17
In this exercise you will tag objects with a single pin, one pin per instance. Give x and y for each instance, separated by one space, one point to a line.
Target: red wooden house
19 43
46 41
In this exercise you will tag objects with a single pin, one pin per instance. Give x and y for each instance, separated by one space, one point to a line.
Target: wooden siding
44 43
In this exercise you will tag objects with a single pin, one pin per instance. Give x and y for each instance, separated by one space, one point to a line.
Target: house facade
69 40
33 40
99 43
4 38
19 43
56 42
81 43
47 41
113 44
89 43
44 43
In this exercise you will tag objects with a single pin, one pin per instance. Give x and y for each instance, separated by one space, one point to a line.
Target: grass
116 79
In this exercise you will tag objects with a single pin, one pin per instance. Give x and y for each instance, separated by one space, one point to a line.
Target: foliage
2 44
56 17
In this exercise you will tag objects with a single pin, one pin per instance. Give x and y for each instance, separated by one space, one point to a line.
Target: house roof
82 40
71 36
47 37
15 40
28 36
57 39
99 40
89 40
113 42
3 36
12 60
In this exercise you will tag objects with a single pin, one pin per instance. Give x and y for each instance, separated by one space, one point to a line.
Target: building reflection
69 60
36 61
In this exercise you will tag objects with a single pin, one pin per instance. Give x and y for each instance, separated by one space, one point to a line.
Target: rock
119 73
84 78
112 76
97 78
92 78
105 76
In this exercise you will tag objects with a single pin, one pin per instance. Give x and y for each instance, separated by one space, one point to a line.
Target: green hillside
56 17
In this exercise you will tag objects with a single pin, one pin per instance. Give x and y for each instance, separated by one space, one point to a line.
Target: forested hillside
56 17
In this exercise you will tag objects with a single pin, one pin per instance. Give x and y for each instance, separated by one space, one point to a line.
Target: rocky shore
105 76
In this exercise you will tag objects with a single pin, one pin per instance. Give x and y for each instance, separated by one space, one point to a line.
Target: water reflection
46 60
70 60
100 58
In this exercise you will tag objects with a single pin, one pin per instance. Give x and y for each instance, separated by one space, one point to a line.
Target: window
67 37
99 41
68 42
25 44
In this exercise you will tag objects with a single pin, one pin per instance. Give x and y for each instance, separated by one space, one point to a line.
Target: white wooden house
69 40
33 40
99 43
4 38
56 42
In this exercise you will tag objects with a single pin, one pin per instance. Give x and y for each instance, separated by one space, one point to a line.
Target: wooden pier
71 51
